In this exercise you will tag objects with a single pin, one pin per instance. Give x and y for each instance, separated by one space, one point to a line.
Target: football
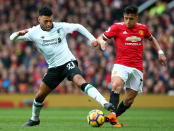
95 118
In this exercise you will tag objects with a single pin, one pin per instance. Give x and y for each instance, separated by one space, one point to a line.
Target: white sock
95 94
36 110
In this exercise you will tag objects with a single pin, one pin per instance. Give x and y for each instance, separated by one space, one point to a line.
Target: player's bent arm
20 35
84 32
156 45
70 27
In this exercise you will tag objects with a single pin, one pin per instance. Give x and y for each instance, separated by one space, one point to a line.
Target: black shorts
56 75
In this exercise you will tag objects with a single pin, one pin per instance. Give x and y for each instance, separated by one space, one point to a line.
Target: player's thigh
74 74
117 83
135 81
119 76
54 76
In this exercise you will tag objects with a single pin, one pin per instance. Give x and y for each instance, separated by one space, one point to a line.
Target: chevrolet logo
133 39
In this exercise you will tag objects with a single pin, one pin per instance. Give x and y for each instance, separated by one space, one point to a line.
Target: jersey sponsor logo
49 42
133 39
132 43
141 32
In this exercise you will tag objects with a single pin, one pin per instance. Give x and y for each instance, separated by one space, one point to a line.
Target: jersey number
70 65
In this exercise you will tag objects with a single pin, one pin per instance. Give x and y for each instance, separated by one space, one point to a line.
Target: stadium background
22 68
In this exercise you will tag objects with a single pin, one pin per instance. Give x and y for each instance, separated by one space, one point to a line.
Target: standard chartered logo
49 42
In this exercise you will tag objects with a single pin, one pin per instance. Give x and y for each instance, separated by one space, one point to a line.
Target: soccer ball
95 118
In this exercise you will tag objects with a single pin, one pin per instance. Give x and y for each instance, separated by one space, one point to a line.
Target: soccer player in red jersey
127 71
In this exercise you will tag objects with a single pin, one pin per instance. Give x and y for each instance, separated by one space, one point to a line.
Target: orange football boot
113 120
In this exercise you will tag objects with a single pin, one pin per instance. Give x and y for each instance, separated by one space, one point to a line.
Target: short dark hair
131 9
45 11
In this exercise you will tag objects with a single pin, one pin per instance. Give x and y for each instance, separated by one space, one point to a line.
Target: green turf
74 119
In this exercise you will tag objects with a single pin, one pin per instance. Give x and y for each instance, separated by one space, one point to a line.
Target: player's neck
132 27
44 28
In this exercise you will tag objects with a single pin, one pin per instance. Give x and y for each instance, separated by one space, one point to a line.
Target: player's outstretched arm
18 35
162 57
70 27
102 42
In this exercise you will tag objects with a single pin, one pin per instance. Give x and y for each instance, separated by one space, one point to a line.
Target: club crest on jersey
141 32
133 39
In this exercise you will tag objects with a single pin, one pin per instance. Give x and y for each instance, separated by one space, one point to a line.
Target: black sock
114 99
121 108
83 86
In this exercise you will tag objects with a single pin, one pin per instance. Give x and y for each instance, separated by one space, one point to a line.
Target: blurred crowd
22 67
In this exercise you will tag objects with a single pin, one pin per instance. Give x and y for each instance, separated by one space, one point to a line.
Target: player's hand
163 59
22 32
94 43
103 44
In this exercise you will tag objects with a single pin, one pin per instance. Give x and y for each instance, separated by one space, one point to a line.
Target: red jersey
128 43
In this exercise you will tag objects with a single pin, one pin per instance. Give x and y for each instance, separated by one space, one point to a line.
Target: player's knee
78 80
116 86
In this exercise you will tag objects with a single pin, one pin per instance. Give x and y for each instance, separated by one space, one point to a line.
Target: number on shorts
70 65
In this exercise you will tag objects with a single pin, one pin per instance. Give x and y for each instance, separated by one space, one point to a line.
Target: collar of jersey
46 30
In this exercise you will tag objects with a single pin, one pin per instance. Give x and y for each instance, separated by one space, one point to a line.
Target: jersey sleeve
70 27
26 37
111 32
147 32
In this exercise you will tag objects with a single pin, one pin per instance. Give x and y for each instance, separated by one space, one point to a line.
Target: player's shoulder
60 24
141 25
118 24
34 28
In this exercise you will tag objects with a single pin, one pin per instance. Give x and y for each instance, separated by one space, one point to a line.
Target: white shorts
132 77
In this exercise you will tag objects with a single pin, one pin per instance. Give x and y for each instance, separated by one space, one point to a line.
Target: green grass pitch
74 119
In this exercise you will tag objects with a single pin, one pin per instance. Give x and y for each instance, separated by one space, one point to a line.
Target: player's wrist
160 52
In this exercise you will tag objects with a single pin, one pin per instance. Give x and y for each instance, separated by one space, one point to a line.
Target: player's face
46 22
130 20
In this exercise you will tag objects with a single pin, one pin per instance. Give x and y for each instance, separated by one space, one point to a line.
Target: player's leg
89 89
133 87
74 74
117 85
50 81
38 102
119 77
127 101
